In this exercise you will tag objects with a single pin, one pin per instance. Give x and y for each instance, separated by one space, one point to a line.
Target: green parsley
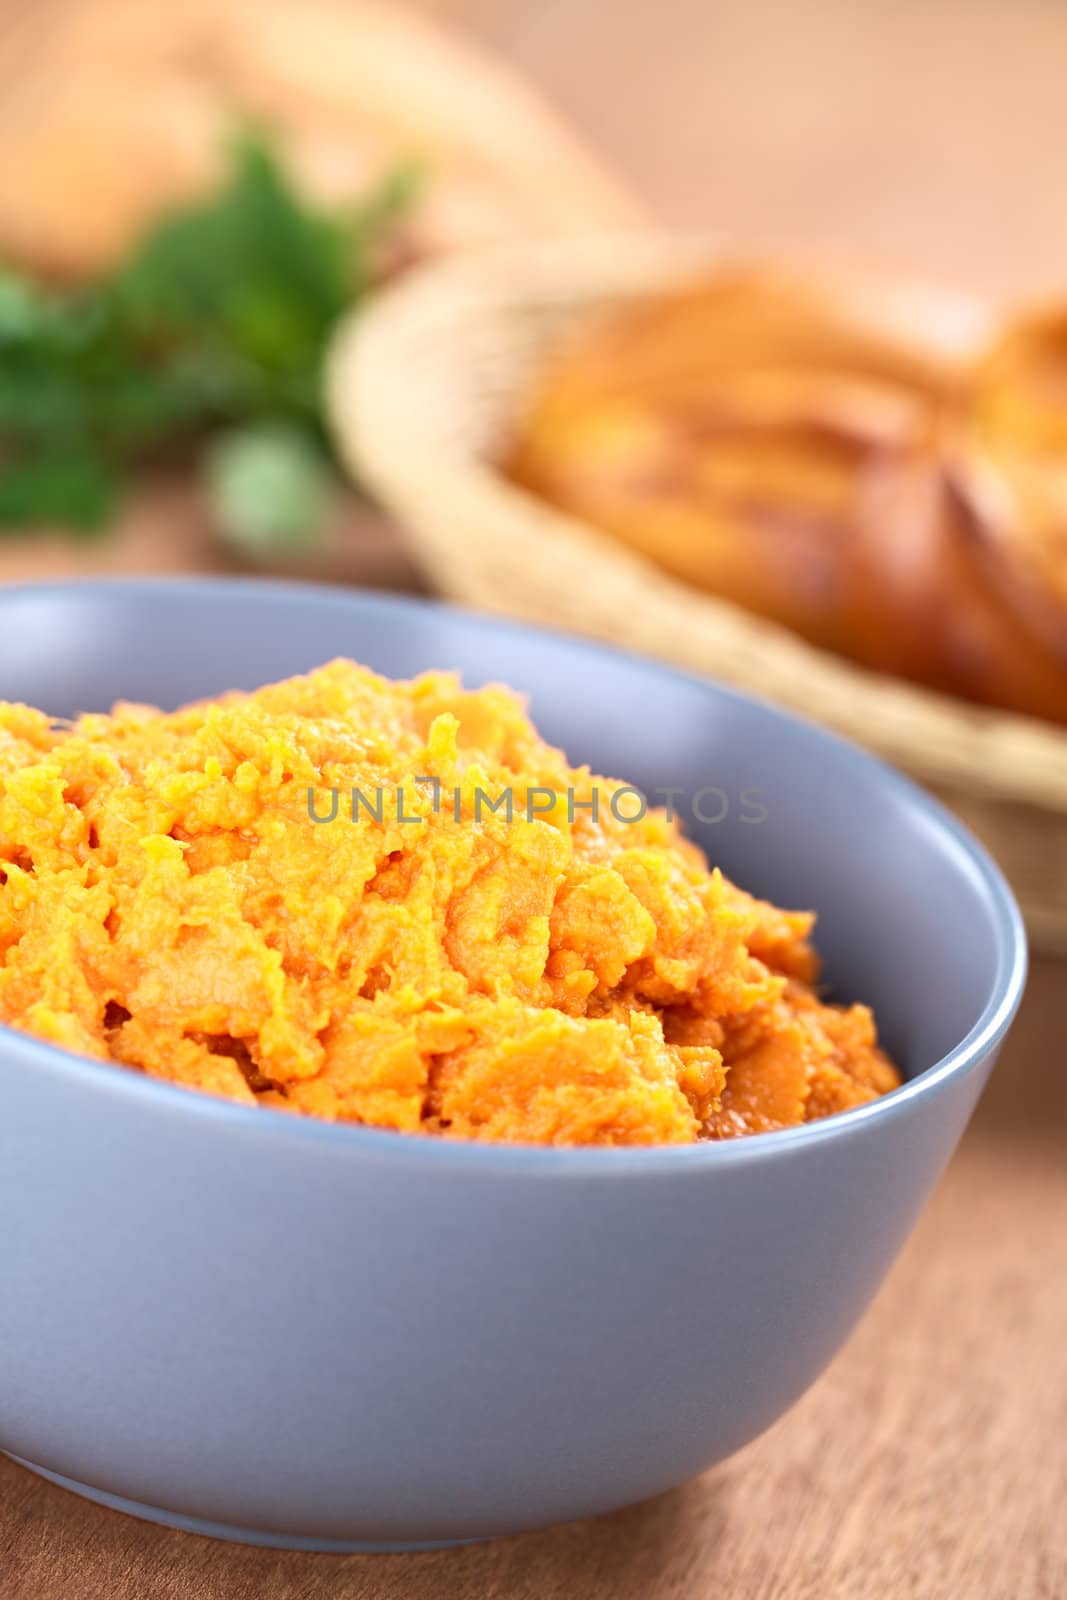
208 341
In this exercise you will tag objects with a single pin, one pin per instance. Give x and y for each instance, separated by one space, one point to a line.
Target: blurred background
924 133
927 137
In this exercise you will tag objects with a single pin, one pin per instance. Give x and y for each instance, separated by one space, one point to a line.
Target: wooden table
930 1462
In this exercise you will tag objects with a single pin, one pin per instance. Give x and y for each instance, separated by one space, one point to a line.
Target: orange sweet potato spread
560 977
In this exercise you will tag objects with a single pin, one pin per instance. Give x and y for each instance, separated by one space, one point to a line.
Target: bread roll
758 440
121 108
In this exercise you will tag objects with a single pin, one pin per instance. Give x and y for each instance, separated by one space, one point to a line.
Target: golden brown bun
123 107
1015 451
748 436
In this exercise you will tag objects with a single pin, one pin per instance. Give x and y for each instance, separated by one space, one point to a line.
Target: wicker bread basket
423 388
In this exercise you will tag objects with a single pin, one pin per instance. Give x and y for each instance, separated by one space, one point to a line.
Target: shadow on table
64 1547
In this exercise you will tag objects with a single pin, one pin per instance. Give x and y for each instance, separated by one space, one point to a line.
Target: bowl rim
984 1036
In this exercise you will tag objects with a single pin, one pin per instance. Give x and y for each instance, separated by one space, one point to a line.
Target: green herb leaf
272 488
58 489
219 319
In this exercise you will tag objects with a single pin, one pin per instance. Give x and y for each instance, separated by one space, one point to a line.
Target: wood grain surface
930 1462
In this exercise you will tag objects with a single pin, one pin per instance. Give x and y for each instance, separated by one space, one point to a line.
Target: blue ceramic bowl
281 1331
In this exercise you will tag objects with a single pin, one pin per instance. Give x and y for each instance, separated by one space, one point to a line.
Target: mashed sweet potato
313 898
